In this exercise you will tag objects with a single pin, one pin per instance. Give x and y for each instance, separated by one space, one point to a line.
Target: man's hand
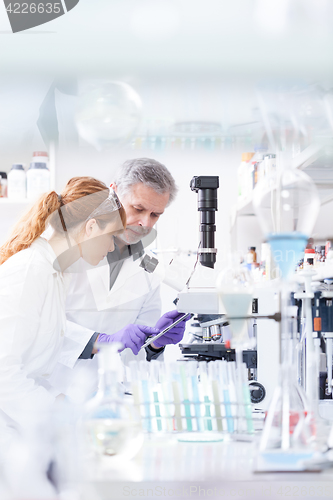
174 335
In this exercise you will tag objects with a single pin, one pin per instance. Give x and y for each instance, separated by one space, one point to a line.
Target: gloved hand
132 336
176 333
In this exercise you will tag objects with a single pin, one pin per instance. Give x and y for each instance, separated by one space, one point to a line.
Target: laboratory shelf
316 161
8 201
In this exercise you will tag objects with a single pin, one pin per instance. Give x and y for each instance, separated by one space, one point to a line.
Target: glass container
111 425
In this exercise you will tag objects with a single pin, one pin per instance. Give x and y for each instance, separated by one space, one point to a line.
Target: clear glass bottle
111 426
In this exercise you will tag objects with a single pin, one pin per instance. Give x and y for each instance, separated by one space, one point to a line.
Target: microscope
209 331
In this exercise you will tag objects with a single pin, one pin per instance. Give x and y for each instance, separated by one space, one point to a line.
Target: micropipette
155 337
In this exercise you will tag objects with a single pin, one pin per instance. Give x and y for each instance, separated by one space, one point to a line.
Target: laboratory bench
169 468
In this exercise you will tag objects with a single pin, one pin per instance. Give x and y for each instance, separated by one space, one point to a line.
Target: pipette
155 337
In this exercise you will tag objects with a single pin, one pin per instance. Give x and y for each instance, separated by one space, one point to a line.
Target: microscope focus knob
257 392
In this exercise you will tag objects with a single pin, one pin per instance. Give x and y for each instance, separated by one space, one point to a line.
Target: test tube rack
193 397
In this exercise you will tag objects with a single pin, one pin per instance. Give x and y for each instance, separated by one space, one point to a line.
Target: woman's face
97 242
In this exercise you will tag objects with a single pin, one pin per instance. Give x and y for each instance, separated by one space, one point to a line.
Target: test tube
154 378
143 368
224 378
246 398
231 368
186 400
134 370
206 398
176 396
213 377
167 395
193 374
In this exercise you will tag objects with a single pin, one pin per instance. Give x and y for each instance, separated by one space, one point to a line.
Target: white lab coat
91 307
33 323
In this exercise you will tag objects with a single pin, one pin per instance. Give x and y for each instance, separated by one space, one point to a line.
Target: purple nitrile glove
176 333
132 336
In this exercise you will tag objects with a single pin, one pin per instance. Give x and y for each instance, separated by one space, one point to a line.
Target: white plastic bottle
38 180
17 182
243 176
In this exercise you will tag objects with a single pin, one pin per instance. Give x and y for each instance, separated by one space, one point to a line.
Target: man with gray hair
119 296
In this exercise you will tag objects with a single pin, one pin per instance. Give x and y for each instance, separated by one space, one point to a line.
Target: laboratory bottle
251 257
17 182
243 176
328 247
38 180
111 427
271 164
3 184
309 257
256 166
319 254
260 150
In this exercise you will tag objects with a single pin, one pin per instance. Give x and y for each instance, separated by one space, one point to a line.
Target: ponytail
30 226
33 224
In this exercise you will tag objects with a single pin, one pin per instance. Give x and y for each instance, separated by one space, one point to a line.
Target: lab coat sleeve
149 313
22 295
76 339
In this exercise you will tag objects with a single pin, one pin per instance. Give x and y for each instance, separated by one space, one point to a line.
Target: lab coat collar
47 251
99 278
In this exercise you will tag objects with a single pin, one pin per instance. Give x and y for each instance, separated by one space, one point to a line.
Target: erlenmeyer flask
289 424
111 426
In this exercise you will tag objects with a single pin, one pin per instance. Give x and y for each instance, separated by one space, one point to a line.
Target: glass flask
287 205
107 115
111 425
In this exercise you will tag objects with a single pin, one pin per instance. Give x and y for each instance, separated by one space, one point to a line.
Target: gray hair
149 172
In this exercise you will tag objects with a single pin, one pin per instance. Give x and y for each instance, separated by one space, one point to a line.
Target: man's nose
146 221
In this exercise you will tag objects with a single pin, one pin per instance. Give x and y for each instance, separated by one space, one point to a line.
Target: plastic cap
3 175
247 156
40 153
309 250
38 165
17 166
